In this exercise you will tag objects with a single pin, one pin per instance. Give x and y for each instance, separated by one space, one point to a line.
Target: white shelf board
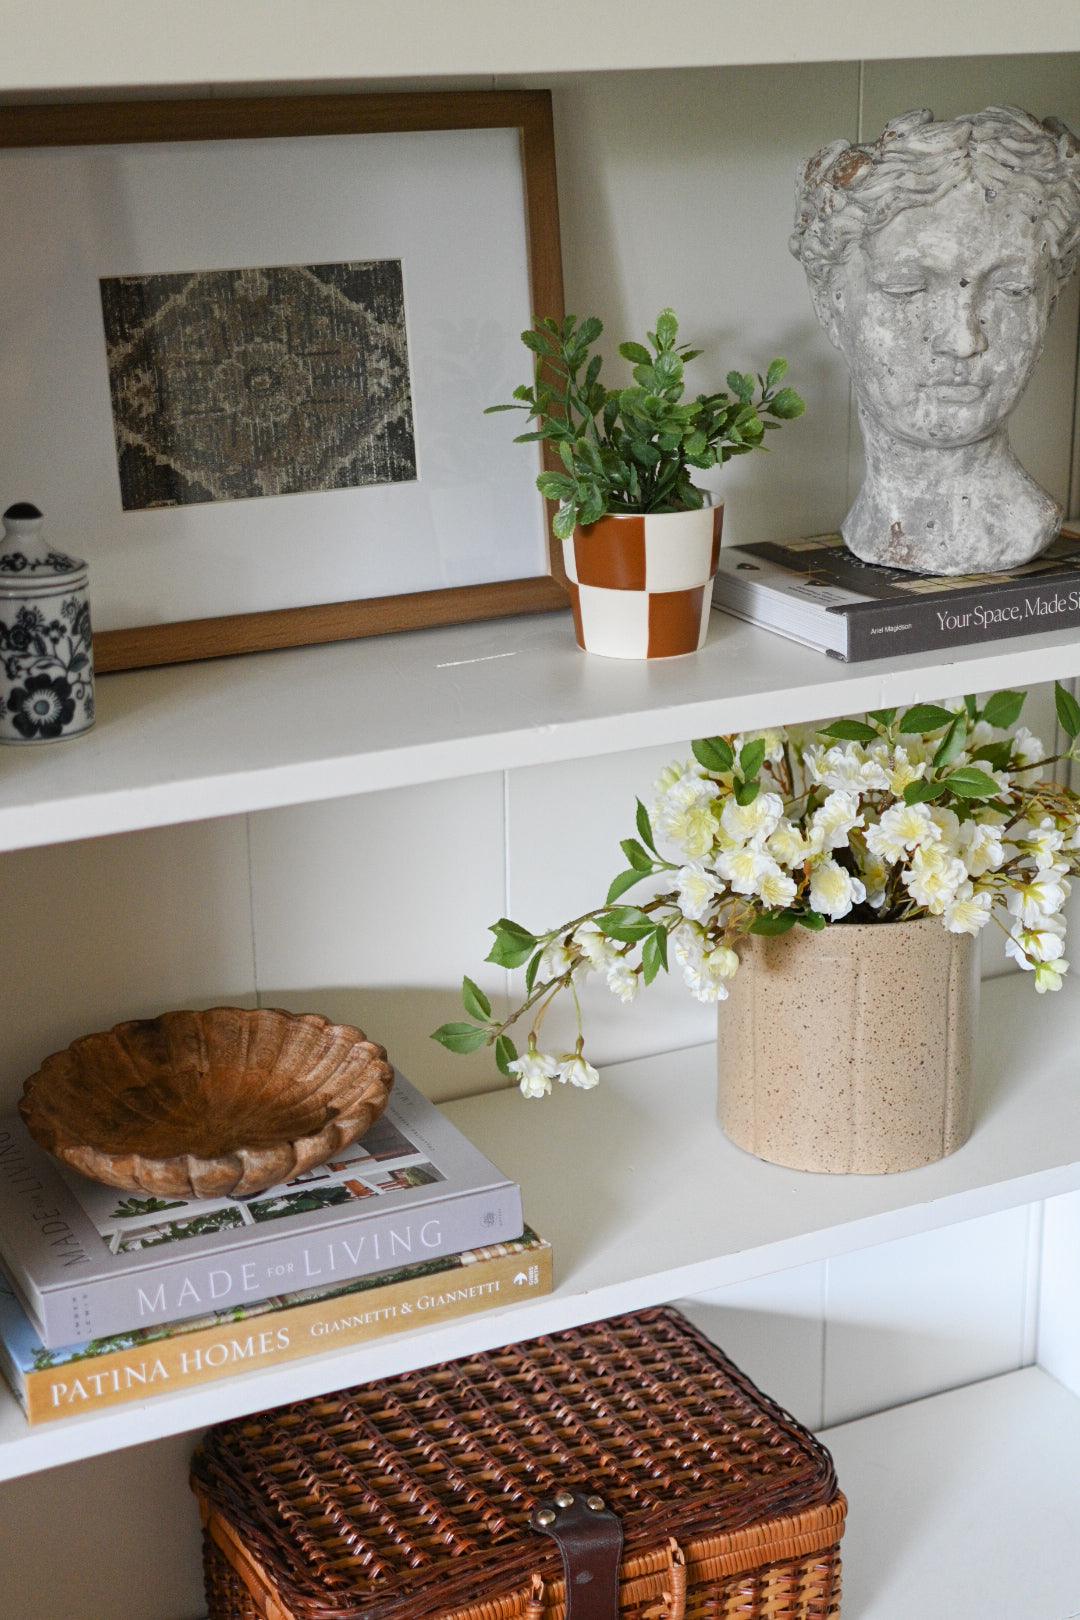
645 1201
231 735
963 1506
150 42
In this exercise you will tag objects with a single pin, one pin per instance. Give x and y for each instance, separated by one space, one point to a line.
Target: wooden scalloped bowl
214 1104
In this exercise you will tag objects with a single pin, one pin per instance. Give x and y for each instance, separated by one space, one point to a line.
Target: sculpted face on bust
934 259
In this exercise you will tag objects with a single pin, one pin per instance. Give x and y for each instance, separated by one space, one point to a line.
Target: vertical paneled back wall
675 189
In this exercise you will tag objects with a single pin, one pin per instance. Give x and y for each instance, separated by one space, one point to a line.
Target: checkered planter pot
640 585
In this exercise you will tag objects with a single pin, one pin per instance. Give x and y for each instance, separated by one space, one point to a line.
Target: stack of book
112 1297
815 591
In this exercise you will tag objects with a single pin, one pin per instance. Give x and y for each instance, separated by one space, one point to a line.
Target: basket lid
411 1496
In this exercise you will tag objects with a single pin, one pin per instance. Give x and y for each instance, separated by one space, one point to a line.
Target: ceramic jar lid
27 562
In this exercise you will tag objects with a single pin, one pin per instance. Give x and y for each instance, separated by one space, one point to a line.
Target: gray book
88 1260
815 591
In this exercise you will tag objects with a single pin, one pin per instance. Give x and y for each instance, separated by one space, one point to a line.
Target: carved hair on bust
934 256
844 191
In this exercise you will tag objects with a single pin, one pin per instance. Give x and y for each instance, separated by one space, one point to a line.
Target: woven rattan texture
227 1597
408 1498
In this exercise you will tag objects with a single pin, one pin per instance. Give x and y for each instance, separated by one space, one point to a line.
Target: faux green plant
632 449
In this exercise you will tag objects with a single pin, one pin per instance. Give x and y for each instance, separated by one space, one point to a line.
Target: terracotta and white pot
851 1050
641 586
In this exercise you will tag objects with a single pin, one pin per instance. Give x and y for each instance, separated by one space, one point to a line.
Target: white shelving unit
215 739
963 1507
713 1215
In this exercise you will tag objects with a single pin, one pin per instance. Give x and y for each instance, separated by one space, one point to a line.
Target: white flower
536 1071
1042 843
574 1069
1038 898
1048 975
980 847
683 814
899 768
968 912
773 738
833 891
775 887
848 768
555 961
947 823
744 867
595 947
697 888
756 820
1027 749
903 827
687 945
981 733
1027 946
622 981
787 845
707 981
875 875
832 821
935 877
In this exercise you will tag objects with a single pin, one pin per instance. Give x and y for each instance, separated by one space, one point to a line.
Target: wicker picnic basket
627 1463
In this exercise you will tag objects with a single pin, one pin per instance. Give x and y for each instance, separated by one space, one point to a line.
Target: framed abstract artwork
246 347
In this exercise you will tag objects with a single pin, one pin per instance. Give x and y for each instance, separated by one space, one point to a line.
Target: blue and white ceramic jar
46 651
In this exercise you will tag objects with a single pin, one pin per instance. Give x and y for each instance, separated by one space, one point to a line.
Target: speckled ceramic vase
851 1051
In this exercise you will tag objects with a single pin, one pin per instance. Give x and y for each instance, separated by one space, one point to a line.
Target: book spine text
288 1334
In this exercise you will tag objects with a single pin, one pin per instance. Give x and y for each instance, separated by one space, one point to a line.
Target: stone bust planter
851 1051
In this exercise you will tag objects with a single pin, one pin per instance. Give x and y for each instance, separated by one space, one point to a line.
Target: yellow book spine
288 1334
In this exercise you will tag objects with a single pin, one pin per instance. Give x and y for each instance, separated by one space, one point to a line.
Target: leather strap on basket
589 1538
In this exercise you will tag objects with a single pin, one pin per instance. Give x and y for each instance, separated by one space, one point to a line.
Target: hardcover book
153 1361
87 1260
816 592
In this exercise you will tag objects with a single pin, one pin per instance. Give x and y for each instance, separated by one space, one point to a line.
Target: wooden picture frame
242 119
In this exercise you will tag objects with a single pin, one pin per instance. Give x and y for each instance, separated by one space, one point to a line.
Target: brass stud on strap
564 1499
545 1517
596 1503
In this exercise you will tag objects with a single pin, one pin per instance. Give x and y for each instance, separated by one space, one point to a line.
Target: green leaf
505 1054
923 792
850 731
460 1037
1068 710
556 486
952 743
775 374
924 717
620 884
476 1003
564 522
752 758
997 755
970 783
741 386
532 970
513 944
636 353
639 858
627 924
654 955
1003 709
746 792
884 717
812 920
644 827
714 753
667 329
787 405
774 922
